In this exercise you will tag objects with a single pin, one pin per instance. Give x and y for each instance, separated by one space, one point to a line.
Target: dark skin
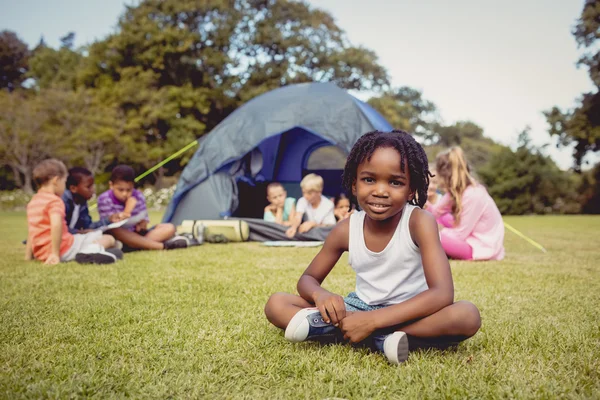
84 191
382 189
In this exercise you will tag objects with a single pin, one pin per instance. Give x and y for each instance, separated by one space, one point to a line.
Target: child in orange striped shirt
48 237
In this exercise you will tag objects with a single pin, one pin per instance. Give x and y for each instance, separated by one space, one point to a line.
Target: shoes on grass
95 254
308 324
394 346
177 242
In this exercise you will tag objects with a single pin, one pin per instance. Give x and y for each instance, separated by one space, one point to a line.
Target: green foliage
404 108
469 136
590 190
525 181
190 324
13 60
581 125
54 68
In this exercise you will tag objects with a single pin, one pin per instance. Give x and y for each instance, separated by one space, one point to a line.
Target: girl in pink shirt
471 224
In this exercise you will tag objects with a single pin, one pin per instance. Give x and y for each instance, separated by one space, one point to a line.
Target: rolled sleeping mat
235 230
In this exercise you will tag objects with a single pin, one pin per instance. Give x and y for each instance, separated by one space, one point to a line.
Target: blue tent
270 138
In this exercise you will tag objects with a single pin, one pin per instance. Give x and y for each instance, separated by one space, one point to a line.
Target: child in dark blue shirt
80 188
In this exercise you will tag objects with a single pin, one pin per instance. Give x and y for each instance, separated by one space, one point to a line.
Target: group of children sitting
60 228
312 209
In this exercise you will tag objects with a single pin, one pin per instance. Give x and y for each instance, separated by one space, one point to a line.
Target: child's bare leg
458 321
282 307
161 232
106 241
135 240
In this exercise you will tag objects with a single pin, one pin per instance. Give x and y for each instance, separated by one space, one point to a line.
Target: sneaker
177 242
394 346
117 252
95 254
307 324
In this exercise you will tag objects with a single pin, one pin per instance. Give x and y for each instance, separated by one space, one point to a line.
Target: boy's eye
368 180
396 183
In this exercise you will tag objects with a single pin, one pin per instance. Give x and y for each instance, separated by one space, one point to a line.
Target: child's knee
274 303
108 240
168 228
470 317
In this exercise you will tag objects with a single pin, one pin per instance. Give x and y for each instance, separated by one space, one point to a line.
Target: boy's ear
354 188
411 195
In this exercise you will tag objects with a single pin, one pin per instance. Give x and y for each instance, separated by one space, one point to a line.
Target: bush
14 200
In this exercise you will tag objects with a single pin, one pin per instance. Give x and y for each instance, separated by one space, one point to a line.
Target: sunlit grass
189 324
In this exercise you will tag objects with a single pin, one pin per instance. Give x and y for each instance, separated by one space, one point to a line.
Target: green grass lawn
190 323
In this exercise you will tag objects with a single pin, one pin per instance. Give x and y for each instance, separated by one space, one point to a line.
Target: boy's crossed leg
448 326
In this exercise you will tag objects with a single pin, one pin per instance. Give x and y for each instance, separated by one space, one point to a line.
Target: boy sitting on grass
125 201
282 209
48 238
318 208
80 188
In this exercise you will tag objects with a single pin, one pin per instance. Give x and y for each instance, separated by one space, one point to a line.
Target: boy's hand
141 226
357 326
306 226
52 259
331 306
291 232
114 218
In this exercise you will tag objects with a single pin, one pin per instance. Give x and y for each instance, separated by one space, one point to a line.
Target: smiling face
122 190
85 188
381 188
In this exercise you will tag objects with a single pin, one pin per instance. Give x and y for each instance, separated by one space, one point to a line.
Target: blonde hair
312 182
452 167
48 169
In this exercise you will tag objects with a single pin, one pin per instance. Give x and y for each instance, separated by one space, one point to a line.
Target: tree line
173 70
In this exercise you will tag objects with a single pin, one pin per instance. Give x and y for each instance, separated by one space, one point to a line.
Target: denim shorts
354 303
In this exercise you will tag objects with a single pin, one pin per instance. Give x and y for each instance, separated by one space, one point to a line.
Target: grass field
189 324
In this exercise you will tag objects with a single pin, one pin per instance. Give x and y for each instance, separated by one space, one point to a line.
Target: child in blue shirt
80 188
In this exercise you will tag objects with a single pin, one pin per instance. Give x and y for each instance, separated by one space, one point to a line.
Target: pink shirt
481 224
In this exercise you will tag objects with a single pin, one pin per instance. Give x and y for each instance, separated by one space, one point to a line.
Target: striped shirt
39 209
108 204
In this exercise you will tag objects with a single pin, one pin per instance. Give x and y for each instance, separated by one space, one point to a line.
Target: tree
581 125
525 181
404 108
469 136
13 60
176 68
24 139
55 68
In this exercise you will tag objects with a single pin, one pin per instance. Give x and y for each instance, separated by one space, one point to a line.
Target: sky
498 64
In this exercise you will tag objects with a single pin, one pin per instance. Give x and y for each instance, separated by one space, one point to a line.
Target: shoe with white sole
177 242
308 324
394 346
95 254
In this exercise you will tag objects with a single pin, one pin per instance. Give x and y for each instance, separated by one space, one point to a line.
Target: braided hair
411 154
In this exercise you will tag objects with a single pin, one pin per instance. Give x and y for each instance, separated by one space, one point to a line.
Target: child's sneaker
307 324
394 346
176 242
95 254
117 252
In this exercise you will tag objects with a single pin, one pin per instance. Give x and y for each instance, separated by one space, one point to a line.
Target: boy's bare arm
56 236
330 305
129 206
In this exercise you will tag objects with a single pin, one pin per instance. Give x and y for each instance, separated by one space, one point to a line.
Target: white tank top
391 276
